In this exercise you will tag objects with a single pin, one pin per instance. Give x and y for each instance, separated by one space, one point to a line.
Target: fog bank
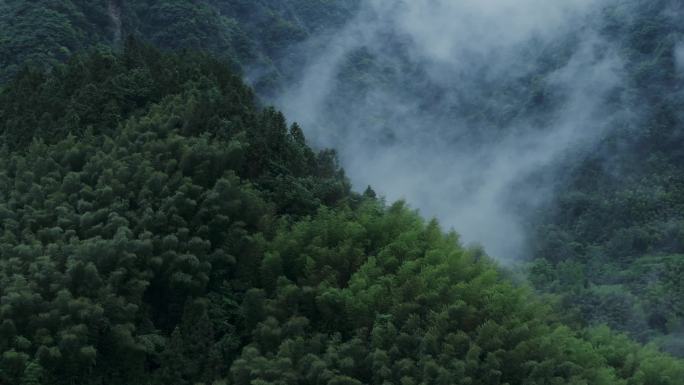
466 109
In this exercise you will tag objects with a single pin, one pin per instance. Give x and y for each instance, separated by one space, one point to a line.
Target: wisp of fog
467 109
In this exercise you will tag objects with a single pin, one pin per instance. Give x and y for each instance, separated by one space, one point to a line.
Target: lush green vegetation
255 34
612 246
182 234
158 225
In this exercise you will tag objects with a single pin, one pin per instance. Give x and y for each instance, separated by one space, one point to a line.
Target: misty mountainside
552 137
169 230
161 225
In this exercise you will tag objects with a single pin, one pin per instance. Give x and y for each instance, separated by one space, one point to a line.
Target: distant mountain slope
613 241
251 33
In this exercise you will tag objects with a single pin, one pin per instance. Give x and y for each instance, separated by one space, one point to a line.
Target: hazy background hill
257 35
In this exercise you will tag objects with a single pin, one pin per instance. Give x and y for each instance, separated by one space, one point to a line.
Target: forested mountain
165 229
159 224
613 243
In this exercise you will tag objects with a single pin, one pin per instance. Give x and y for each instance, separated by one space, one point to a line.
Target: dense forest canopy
194 237
255 35
160 224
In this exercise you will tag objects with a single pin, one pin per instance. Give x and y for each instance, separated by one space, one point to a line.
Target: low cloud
466 109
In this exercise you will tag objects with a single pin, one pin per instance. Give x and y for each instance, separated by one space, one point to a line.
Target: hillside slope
612 242
256 35
192 237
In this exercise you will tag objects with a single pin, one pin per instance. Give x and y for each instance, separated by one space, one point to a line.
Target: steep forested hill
160 225
178 233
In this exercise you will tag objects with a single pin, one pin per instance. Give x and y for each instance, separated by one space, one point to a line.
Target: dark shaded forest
160 224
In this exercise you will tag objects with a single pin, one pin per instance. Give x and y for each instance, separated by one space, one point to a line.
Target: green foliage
612 246
159 227
46 32
114 232
258 34
417 308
